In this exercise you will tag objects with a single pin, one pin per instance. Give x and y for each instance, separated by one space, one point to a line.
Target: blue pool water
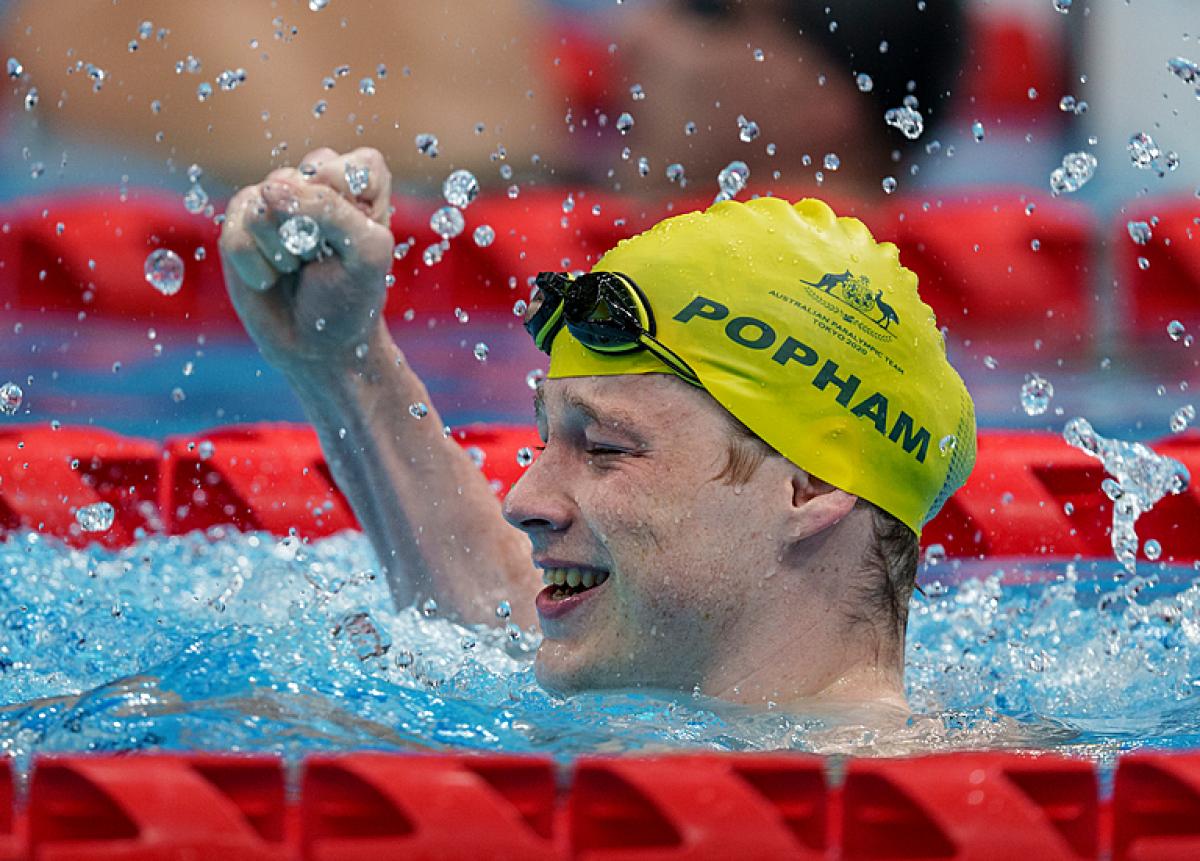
245 642
234 641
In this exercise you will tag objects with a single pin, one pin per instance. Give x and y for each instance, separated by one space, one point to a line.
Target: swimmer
748 417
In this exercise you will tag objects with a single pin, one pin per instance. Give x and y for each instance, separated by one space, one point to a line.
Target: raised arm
317 316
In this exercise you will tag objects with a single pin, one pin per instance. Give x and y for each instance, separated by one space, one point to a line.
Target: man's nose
538 500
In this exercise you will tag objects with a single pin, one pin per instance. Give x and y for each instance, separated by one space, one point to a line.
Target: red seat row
1030 493
991 261
688 806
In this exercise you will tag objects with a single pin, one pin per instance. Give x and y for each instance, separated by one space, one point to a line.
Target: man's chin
564 669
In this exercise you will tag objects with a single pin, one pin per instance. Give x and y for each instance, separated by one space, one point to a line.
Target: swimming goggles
605 311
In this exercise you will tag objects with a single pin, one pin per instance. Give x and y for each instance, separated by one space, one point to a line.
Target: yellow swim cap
812 334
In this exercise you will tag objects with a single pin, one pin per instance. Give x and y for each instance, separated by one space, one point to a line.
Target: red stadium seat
150 807
699 807
445 807
1156 807
974 253
12 831
95 263
1169 287
46 475
970 807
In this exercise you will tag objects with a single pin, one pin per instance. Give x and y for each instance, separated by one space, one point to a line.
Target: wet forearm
429 512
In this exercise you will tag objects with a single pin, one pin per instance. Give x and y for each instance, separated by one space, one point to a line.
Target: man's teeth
573 577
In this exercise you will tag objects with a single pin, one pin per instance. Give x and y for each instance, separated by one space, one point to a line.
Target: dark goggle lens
600 311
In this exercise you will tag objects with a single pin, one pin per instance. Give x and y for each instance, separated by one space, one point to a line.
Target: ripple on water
241 640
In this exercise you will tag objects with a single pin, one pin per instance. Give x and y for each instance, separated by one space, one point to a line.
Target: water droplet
831 161
447 222
1035 244
675 173
427 144
1077 168
460 188
643 164
864 82
732 179
888 184
430 607
1143 151
432 255
689 128
568 204
1184 69
358 177
1152 549
205 449
1063 6
300 234
637 93
484 235
533 379
947 444
935 554
418 410
977 130
10 398
1182 418
1139 231
195 199
231 79
1176 330
758 55
317 5
163 271
15 69
1036 394
524 456
513 191
318 109
203 91
481 351
907 119
1140 477
1067 104
31 99
520 307
625 123
747 129
97 517
503 610
1143 263
367 86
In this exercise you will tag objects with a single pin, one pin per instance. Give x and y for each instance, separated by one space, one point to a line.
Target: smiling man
748 418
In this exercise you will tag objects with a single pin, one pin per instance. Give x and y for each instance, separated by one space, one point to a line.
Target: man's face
626 492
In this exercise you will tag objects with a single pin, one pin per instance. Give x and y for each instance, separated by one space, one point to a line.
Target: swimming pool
252 642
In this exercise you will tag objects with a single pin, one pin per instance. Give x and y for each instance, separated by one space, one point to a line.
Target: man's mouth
567 582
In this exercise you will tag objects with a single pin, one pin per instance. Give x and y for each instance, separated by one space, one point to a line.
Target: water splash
163 270
11 397
447 222
907 119
1036 394
300 234
484 235
1074 172
732 180
460 188
1140 478
97 517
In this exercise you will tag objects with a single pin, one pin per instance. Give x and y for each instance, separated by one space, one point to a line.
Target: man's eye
600 449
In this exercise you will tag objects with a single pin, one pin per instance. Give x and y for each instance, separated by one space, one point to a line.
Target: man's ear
816 505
